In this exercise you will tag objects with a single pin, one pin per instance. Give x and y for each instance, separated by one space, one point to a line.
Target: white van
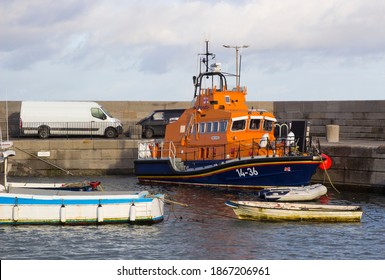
45 118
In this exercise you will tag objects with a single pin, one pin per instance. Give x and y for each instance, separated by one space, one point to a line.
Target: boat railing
172 153
250 148
156 149
151 148
246 148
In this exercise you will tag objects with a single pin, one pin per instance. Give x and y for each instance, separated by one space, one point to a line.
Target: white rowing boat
305 193
260 210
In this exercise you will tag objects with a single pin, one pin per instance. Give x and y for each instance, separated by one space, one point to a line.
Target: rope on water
175 202
370 217
172 202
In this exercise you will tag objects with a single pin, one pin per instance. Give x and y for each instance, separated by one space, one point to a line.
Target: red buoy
326 162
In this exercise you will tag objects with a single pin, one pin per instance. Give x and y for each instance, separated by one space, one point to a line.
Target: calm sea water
206 229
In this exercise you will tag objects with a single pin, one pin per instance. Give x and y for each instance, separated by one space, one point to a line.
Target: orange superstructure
220 125
219 141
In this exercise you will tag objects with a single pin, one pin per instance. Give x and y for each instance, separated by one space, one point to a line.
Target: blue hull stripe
33 201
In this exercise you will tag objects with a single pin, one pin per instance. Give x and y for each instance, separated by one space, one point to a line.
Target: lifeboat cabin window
238 125
215 126
255 124
209 127
202 127
227 99
223 126
268 125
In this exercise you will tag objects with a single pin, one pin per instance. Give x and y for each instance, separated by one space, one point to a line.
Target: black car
155 123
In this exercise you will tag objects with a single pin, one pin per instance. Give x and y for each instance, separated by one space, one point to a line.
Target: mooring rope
327 174
172 203
45 161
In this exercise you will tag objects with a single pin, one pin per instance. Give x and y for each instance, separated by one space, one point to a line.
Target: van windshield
106 112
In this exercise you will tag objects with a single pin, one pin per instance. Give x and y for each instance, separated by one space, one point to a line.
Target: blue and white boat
23 206
19 205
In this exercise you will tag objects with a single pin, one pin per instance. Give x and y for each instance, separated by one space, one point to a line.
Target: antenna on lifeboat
237 65
205 61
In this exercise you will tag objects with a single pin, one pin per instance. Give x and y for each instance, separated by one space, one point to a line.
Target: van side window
97 113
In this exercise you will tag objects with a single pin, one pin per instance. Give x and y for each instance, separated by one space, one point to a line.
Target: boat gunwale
233 164
281 206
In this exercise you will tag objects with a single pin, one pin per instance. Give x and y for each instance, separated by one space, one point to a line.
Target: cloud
145 39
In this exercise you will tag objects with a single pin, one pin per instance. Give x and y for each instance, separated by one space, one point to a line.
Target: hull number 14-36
250 171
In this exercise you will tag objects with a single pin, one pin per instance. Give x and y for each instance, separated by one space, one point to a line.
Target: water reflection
206 229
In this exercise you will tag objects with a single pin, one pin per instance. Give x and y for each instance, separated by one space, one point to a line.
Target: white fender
63 217
15 213
100 214
132 213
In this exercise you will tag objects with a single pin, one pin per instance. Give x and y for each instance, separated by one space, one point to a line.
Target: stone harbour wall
358 157
80 157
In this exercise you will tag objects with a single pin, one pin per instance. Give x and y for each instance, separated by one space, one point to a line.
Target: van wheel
110 133
43 132
148 133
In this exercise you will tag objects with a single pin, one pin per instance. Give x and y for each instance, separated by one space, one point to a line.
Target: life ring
326 162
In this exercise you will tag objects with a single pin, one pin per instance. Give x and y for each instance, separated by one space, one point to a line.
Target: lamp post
236 60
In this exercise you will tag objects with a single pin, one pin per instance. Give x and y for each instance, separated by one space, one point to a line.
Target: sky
147 50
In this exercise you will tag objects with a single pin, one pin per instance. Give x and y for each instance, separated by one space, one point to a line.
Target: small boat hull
83 186
305 193
272 211
244 173
65 207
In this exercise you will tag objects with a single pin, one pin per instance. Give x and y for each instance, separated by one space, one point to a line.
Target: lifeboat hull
244 173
